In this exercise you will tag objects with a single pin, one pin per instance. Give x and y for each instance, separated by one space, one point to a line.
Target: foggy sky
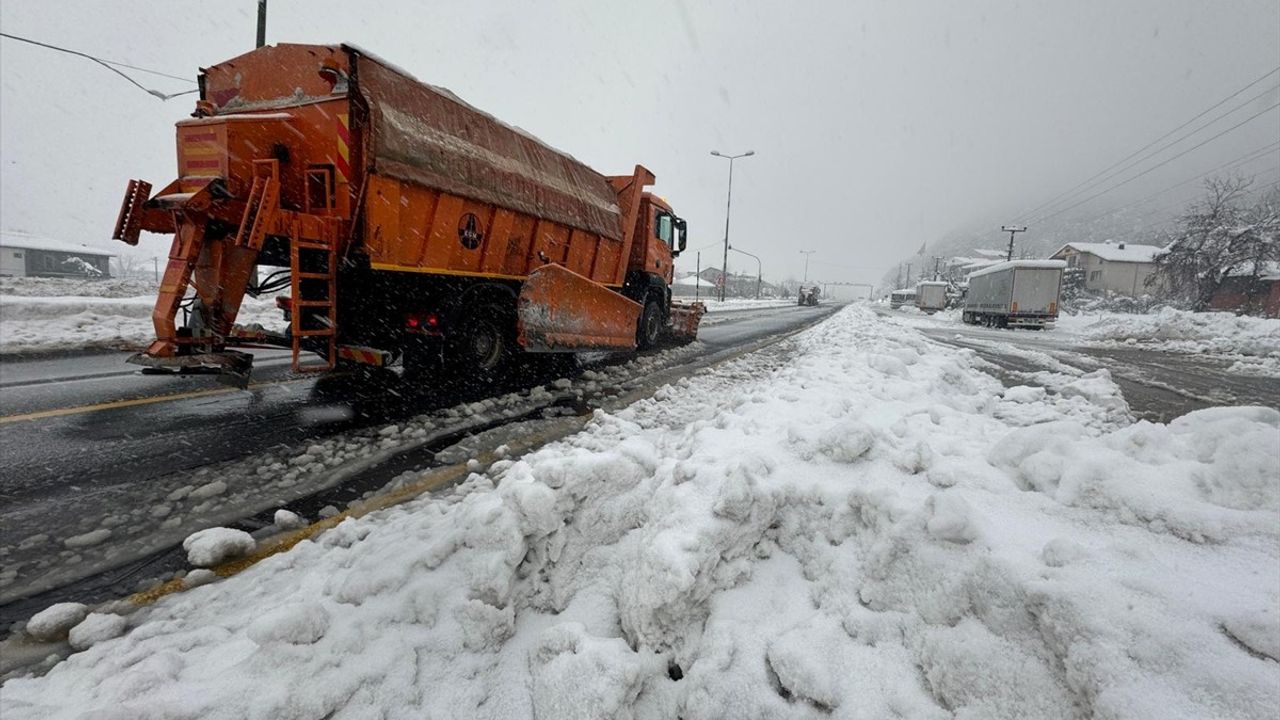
877 125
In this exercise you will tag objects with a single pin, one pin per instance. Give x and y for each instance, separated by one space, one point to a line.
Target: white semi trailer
931 295
1020 293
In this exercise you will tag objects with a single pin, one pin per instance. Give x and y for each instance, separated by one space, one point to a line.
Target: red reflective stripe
343 131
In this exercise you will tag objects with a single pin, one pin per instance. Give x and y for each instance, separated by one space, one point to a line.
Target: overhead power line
112 66
1156 166
1171 143
1090 180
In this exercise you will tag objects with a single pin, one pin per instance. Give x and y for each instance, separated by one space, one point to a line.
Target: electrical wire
1088 181
1245 159
1156 166
110 65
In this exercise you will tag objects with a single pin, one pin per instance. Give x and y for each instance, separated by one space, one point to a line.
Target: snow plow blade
562 311
685 318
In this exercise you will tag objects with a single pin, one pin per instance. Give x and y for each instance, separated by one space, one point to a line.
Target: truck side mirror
682 233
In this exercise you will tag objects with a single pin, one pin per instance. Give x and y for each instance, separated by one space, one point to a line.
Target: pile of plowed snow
46 315
853 523
1187 332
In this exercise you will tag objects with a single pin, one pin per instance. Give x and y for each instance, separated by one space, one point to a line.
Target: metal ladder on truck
313 268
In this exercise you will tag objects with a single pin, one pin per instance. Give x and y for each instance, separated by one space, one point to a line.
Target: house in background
1249 292
25 255
1112 268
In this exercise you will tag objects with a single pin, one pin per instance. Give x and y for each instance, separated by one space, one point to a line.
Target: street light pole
806 254
759 268
1012 230
728 204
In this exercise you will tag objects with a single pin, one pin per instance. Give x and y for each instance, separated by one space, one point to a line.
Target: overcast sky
877 125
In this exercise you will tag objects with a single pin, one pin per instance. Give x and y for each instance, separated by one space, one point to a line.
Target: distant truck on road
931 295
902 296
808 295
1020 293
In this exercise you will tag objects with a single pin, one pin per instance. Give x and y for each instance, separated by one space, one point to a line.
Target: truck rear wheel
650 325
485 344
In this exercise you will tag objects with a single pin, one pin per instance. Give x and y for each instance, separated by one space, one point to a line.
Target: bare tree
127 265
1224 235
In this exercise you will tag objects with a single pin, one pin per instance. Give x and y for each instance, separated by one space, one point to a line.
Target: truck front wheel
650 325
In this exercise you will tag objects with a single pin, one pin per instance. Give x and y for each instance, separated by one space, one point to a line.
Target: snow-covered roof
692 279
943 283
1026 264
26 241
991 253
1116 252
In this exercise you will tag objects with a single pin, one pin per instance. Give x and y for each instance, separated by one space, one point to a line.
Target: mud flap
562 311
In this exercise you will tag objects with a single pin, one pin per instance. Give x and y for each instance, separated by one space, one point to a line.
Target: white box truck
931 295
1020 293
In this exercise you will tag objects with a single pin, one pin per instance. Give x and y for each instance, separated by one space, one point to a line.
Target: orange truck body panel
330 146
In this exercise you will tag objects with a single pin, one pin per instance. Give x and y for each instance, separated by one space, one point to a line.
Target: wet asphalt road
68 424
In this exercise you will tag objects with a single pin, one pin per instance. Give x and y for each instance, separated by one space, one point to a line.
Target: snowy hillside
854 523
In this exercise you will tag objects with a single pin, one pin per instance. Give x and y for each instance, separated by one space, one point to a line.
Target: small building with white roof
26 255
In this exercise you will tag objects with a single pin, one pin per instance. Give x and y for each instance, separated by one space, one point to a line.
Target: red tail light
422 321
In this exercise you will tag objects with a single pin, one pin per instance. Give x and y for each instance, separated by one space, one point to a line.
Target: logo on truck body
469 233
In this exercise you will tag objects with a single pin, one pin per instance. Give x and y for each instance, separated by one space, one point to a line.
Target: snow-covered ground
1252 344
714 305
854 523
48 315
1251 341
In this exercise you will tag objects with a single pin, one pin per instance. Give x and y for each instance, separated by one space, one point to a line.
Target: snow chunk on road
212 546
287 520
89 539
53 623
95 628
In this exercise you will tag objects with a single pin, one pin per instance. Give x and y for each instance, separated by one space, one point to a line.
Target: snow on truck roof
931 283
1116 252
1021 264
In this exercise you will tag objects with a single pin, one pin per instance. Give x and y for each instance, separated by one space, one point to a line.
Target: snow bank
33 324
853 523
1185 332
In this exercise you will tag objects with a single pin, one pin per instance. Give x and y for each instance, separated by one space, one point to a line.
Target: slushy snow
853 523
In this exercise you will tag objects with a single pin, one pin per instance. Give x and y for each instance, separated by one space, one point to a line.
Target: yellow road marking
76 410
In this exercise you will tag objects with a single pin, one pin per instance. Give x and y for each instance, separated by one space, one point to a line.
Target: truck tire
650 328
482 354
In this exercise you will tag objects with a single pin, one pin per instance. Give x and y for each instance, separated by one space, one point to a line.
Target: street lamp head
749 153
716 153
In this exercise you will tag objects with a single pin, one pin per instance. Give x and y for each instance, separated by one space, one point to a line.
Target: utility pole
1012 231
897 282
806 254
728 204
155 261
908 274
937 260
262 23
697 277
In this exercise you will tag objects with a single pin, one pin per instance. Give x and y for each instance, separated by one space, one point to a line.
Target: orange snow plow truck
406 224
